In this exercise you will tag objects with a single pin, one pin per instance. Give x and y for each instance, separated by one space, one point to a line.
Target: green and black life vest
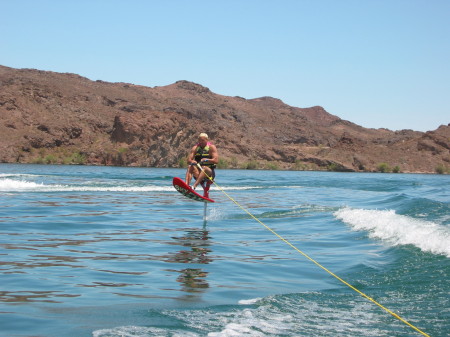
203 152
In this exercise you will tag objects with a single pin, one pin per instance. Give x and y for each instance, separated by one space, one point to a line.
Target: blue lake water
109 251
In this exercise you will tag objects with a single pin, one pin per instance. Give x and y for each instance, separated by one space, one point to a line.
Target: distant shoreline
231 169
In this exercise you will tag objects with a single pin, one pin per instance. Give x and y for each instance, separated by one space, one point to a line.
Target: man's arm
214 154
192 156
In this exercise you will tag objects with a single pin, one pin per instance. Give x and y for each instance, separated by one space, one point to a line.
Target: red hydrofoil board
187 191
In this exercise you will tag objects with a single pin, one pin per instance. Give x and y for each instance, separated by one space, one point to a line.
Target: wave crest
397 229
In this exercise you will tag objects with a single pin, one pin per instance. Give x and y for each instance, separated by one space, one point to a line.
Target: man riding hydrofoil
205 154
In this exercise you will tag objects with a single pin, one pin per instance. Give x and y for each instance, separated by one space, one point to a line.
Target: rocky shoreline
60 118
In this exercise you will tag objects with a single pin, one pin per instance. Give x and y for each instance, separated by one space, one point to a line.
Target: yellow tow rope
312 260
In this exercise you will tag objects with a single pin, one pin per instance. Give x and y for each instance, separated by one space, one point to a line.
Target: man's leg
206 183
206 186
188 177
191 171
202 176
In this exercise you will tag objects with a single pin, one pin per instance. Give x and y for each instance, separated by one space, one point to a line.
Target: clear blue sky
377 63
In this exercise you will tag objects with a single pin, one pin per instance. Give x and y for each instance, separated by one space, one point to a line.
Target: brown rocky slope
48 117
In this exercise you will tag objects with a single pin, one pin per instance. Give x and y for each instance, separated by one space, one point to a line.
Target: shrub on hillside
383 168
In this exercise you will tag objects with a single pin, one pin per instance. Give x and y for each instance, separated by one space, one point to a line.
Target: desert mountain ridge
48 117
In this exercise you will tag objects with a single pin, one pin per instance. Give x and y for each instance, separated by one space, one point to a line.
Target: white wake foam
13 185
17 185
7 184
250 301
283 317
8 175
236 188
399 229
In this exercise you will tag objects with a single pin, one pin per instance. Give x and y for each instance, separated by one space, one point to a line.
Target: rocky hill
48 117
